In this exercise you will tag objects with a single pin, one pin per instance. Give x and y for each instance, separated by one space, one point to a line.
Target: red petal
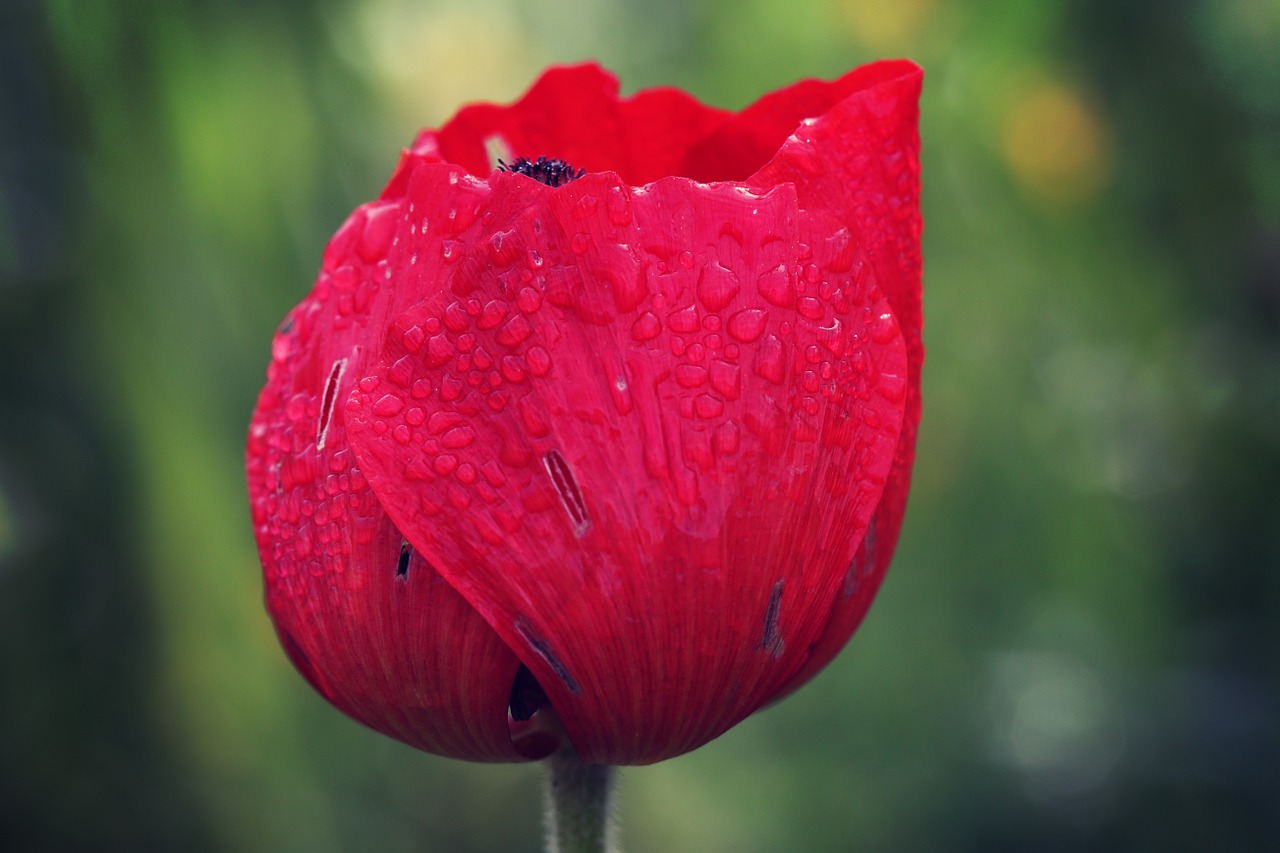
650 463
860 160
574 114
386 640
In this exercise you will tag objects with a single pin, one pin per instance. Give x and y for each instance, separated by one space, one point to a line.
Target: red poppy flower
630 449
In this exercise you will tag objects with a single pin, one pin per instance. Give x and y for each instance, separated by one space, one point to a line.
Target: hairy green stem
579 805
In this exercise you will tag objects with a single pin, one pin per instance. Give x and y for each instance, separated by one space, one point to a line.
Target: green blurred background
1078 647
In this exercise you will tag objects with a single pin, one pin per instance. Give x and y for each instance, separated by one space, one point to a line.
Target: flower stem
579 805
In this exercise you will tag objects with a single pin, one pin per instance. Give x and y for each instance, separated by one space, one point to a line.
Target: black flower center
551 172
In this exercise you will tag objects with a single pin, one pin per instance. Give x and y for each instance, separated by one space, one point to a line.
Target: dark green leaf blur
1078 646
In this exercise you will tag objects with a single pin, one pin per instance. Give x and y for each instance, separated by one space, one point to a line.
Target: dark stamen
552 172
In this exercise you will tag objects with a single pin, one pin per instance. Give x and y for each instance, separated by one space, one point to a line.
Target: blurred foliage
1078 645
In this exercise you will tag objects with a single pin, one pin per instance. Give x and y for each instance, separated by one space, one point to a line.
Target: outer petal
646 438
377 632
860 160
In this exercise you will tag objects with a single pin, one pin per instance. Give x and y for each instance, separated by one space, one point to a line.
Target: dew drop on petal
747 326
439 350
539 361
770 360
529 300
514 332
726 379
690 375
717 287
458 437
882 329
775 286
810 308
705 406
646 327
387 406
535 420
892 387
726 438
618 203
684 321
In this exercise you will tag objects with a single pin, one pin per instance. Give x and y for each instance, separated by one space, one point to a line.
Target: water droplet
535 420
387 406
296 408
717 287
534 259
882 329
726 438
529 300
401 372
441 421
513 369
747 326
450 388
379 228
402 434
514 332
892 387
776 287
493 313
690 375
685 259
770 360
706 406
345 278
726 378
439 350
628 290
646 327
832 337
413 338
685 320
455 318
579 243
444 464
539 361
458 437
618 203
809 308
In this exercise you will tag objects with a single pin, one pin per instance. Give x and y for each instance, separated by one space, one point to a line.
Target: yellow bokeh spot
886 26
1056 145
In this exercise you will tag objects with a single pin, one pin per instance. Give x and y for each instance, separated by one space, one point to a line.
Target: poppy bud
611 444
